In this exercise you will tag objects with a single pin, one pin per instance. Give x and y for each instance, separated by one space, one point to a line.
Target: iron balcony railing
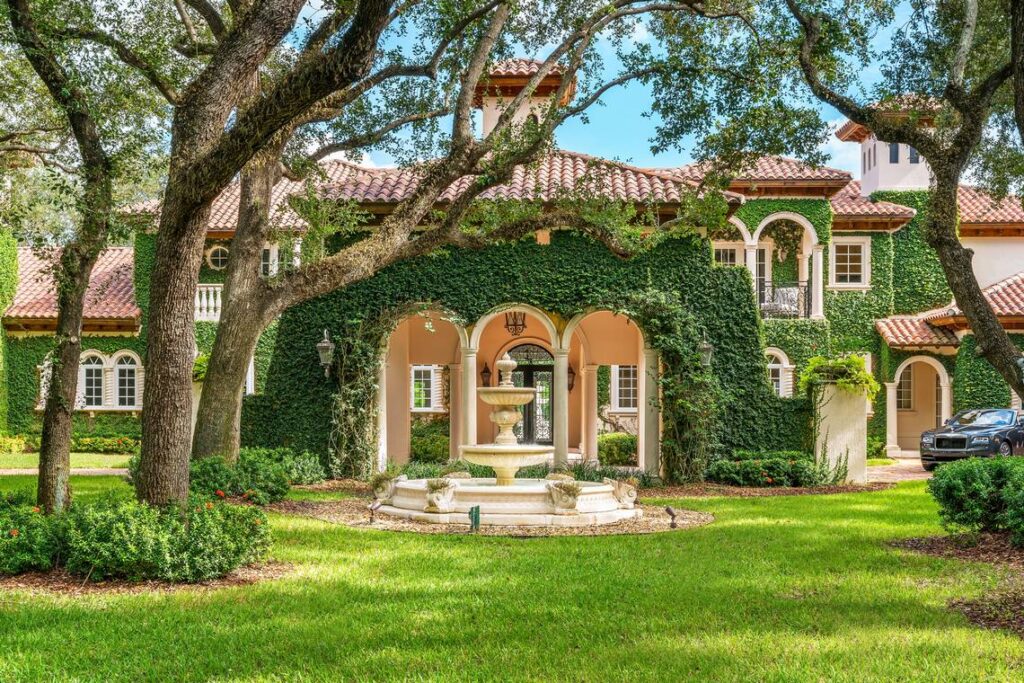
784 299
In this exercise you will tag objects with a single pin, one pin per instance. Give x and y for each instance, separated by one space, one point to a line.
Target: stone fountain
558 500
506 455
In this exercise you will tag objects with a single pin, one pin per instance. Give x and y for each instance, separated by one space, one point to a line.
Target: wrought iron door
535 369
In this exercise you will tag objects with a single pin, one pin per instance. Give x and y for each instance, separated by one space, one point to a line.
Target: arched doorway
918 399
535 368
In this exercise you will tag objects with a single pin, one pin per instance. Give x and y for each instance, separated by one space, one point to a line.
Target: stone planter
843 431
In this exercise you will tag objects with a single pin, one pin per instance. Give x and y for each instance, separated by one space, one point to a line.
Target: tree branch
373 137
211 16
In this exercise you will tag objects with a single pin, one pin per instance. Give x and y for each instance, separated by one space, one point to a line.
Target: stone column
590 412
649 427
455 425
818 283
560 407
891 420
946 400
469 397
750 258
382 417
843 431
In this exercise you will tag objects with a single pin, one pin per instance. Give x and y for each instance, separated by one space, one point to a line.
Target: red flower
220 494
36 509
209 505
15 533
770 480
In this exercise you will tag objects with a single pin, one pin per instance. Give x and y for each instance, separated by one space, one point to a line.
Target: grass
86 460
880 462
799 588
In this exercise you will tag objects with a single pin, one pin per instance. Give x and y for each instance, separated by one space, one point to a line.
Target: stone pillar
560 407
649 427
455 425
946 400
468 397
892 445
843 431
590 419
750 258
818 283
382 417
803 267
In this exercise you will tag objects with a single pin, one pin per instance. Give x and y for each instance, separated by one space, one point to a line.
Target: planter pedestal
843 431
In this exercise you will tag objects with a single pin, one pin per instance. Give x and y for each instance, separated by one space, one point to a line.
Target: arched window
90 381
127 382
780 372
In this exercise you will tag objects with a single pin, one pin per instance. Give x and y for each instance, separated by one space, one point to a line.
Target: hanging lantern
706 351
571 378
325 349
485 376
515 322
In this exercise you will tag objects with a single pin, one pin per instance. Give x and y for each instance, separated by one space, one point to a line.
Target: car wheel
1005 448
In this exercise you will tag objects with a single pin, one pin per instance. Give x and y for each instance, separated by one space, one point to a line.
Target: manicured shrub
773 455
305 468
29 540
429 440
104 444
257 477
12 444
617 448
765 472
876 447
973 493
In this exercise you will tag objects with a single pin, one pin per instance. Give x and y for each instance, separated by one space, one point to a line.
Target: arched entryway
535 368
918 399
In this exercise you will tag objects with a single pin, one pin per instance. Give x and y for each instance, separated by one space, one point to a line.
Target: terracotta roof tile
848 202
771 168
549 179
977 206
520 66
913 330
111 293
1006 298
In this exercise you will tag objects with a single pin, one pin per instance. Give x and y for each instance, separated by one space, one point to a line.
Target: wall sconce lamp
325 349
572 378
485 375
707 351
515 322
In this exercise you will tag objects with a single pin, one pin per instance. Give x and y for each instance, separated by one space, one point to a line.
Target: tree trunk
243 317
170 356
957 262
53 493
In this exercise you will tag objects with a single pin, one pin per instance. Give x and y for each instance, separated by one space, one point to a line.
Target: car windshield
986 417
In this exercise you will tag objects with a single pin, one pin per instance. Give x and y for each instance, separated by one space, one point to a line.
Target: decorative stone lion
564 496
560 476
384 491
440 495
624 493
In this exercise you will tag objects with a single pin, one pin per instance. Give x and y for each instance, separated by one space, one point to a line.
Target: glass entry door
535 369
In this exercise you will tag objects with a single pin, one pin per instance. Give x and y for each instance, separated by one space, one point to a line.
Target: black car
974 433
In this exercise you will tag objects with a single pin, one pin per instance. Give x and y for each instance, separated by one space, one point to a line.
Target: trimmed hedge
981 494
430 440
617 448
764 472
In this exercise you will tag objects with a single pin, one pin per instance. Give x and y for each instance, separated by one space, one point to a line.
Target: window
915 158
91 378
266 262
775 374
851 263
423 387
218 258
126 382
779 372
863 162
894 153
725 257
625 392
905 390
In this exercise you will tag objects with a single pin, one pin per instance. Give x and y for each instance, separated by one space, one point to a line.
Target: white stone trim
787 370
209 255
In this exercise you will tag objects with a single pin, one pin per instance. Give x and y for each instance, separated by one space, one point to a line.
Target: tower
506 80
884 165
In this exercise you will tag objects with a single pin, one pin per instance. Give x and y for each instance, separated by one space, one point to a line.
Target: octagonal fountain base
526 502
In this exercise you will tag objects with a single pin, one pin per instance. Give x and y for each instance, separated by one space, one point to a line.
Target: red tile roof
111 293
224 212
520 66
1006 298
913 331
977 206
551 178
771 168
848 203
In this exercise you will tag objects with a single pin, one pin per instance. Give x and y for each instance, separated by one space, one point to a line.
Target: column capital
890 385
467 351
818 248
560 352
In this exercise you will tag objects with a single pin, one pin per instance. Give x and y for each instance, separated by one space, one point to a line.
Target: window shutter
436 397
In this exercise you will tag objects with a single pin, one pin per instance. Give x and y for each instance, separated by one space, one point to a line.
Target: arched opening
780 372
785 247
418 403
918 399
535 368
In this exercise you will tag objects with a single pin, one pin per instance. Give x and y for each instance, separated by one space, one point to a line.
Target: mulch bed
1002 609
707 490
352 512
60 582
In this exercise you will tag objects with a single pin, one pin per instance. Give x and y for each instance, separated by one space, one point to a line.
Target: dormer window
894 153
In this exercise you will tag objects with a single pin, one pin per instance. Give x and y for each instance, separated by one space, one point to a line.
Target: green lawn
879 462
31 460
778 589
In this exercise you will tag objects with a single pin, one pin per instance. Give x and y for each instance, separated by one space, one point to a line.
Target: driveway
905 469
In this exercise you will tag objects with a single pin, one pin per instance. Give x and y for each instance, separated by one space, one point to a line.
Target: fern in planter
848 373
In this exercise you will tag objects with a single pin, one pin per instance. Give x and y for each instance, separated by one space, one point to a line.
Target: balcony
784 299
208 302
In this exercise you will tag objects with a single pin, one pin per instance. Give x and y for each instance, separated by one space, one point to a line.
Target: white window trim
109 383
786 367
768 244
614 390
865 244
735 247
139 379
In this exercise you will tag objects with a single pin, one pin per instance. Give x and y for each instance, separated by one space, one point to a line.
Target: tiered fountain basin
526 502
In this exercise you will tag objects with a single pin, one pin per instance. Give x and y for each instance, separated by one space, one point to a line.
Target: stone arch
943 400
545 320
574 323
928 360
742 227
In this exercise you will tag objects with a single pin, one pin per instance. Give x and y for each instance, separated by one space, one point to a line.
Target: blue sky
618 128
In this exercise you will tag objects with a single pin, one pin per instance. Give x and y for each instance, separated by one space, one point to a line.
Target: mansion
811 262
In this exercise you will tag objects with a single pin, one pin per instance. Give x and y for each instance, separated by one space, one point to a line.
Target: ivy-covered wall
817 211
570 275
976 384
8 285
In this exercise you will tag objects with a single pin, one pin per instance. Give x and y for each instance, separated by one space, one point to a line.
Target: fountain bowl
506 396
506 459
